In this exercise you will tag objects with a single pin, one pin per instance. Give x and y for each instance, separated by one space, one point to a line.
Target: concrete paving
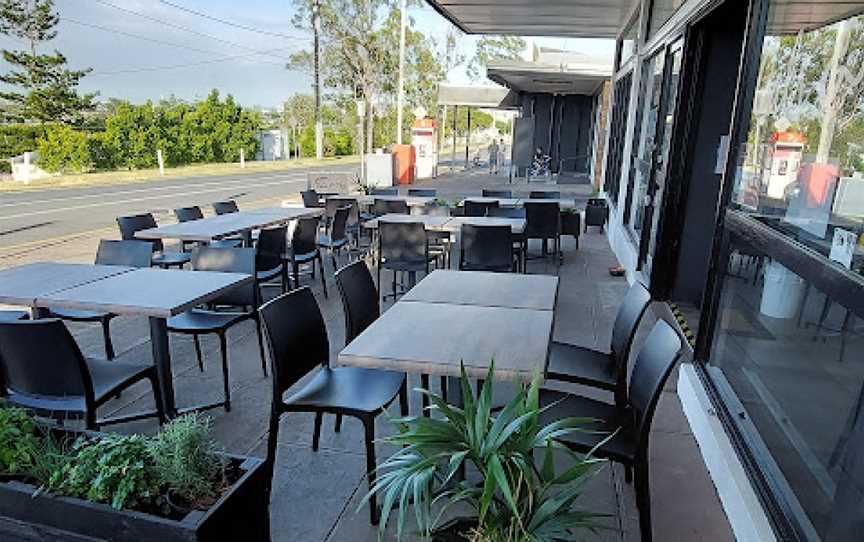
317 495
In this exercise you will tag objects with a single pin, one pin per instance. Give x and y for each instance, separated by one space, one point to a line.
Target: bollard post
242 158
161 162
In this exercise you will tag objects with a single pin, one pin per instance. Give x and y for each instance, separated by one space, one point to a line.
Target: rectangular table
23 284
502 202
432 339
481 288
431 222
216 227
413 201
156 293
454 224
563 203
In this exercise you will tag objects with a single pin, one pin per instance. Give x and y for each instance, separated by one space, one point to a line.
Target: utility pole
319 128
401 91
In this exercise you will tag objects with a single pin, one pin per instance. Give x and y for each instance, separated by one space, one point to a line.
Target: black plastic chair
298 343
44 371
336 240
519 240
201 321
129 225
360 301
270 256
422 192
403 247
128 253
603 370
11 316
225 207
497 193
629 445
506 212
544 194
479 208
304 250
381 207
311 199
543 221
385 192
486 248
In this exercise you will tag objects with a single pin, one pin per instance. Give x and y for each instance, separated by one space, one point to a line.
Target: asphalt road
28 217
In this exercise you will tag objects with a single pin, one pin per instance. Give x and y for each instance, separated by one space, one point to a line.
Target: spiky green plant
521 497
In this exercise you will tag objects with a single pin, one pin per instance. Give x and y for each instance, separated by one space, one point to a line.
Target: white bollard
27 160
161 162
242 158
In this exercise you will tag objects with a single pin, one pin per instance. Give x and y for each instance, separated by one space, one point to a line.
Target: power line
231 23
173 66
180 27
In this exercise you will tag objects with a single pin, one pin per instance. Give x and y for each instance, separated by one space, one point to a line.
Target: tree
43 89
491 48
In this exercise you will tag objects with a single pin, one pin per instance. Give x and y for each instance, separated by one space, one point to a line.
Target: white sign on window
843 247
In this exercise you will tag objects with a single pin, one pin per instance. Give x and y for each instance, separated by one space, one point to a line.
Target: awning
583 78
486 97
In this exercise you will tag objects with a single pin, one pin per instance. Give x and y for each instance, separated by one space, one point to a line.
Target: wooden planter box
240 514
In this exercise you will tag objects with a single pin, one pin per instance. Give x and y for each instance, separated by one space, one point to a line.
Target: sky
150 49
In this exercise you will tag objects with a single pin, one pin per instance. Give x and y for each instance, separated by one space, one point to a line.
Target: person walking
493 157
501 154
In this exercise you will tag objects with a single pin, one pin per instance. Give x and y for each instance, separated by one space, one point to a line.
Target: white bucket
782 292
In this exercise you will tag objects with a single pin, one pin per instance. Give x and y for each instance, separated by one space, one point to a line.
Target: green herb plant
19 445
519 499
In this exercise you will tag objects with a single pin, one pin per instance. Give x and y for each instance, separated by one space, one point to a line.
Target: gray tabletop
216 227
152 292
487 289
502 202
23 284
433 223
432 338
564 203
454 224
413 201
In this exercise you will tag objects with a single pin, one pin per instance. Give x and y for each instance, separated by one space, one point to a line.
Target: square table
433 338
517 225
482 288
156 293
23 284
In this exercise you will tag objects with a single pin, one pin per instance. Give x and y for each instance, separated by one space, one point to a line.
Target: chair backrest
633 307
652 367
225 207
486 248
128 253
497 193
270 248
385 192
359 298
310 198
40 360
422 192
330 207
340 220
129 225
296 338
229 260
188 214
506 212
544 194
304 238
382 207
479 208
542 219
402 242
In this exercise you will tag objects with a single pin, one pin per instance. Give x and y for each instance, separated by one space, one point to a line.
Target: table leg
162 359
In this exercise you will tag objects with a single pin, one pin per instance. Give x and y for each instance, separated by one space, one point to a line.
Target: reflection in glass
653 86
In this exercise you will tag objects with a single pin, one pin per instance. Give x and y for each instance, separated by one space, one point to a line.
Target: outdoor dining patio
434 315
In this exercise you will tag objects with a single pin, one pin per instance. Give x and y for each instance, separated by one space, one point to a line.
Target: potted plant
109 486
520 496
596 211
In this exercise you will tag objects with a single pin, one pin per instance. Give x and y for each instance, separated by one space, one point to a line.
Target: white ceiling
790 16
523 76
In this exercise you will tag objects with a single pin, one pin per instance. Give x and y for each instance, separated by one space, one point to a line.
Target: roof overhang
792 16
485 97
521 76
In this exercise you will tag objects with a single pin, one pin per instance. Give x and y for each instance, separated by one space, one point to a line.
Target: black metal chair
270 256
487 193
128 253
486 248
129 225
336 239
44 371
304 250
225 207
479 208
403 247
298 343
543 221
202 321
629 445
385 192
311 199
598 369
422 192
544 194
381 207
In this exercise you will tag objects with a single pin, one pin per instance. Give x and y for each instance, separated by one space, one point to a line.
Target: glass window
662 11
788 348
653 88
628 41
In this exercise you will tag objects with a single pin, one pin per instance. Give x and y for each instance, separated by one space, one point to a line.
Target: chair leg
198 353
316 432
223 346
296 269
260 343
643 500
272 441
424 383
323 282
369 427
106 335
157 398
628 474
338 426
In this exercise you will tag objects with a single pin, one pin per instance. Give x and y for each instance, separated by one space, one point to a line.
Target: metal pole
401 91
319 127
468 138
453 149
